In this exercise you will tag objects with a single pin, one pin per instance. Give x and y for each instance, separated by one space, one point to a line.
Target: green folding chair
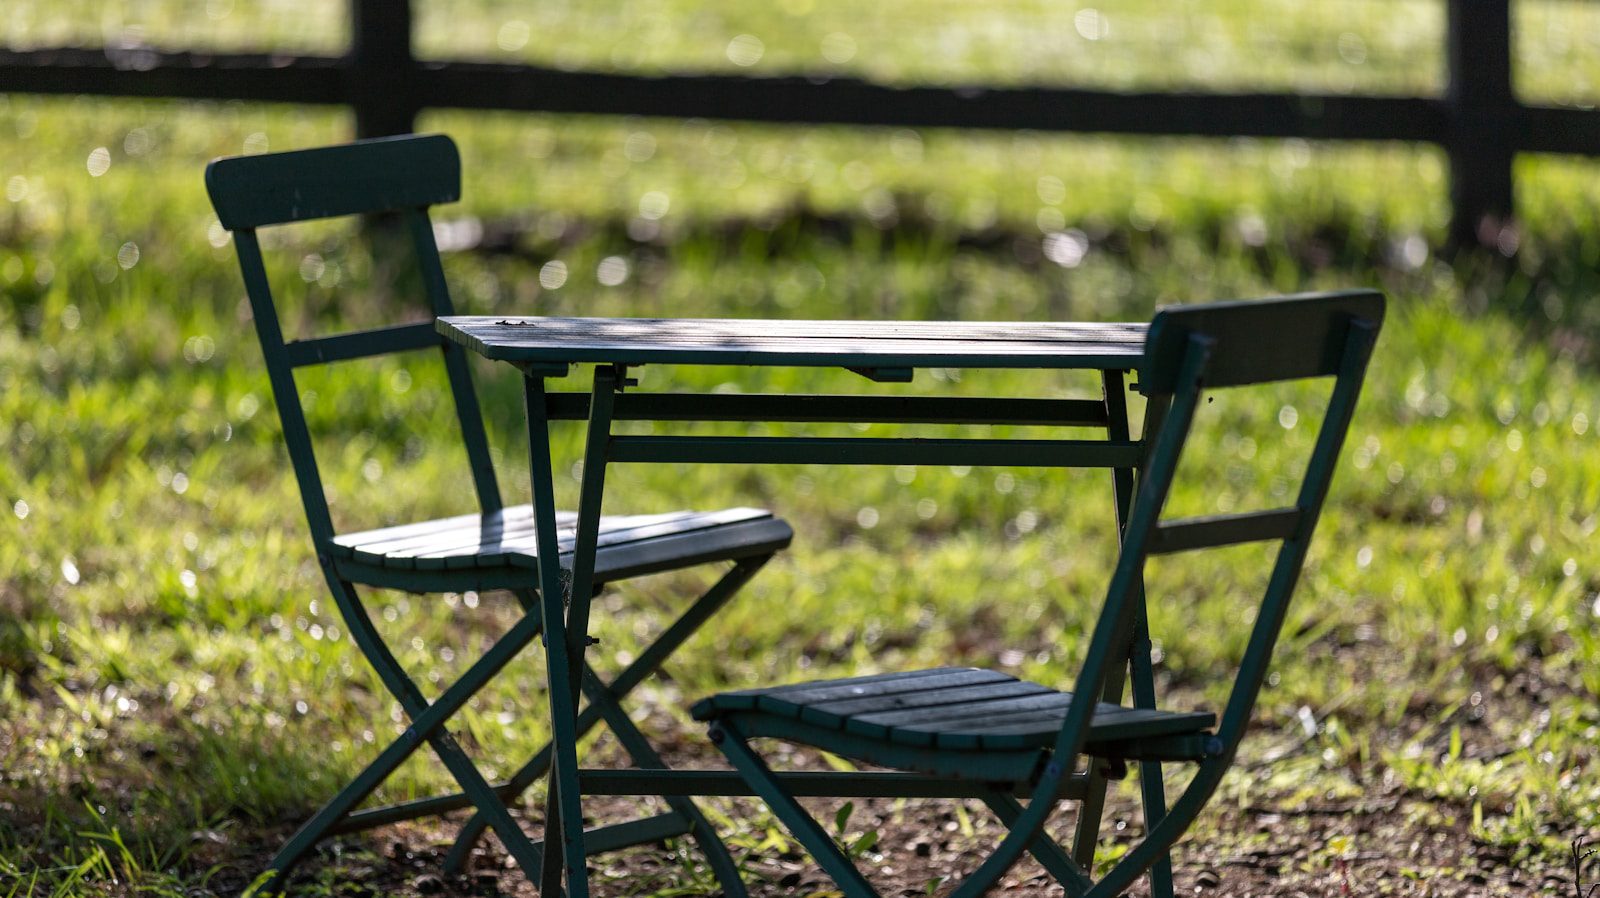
1027 739
492 548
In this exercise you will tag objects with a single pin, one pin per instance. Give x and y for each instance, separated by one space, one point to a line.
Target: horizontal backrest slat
381 175
1224 530
1258 341
362 344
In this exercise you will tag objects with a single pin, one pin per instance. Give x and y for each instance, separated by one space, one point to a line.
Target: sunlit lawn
169 662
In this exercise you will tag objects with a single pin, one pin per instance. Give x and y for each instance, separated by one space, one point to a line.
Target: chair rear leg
1086 838
1044 849
645 757
1152 790
695 616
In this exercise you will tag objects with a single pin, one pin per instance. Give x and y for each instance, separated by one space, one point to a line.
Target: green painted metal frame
404 176
1002 780
1190 350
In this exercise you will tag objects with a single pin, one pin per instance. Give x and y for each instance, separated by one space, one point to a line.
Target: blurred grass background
161 617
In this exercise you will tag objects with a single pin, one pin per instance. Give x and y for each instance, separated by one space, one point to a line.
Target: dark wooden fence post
381 68
1483 112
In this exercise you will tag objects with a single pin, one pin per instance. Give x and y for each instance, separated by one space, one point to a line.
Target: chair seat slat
812 694
931 701
617 532
511 532
631 544
955 709
469 536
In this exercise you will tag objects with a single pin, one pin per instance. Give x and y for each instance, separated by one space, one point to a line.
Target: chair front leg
805 828
1044 849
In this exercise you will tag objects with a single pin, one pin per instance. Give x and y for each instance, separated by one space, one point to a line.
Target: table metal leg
564 819
648 662
1141 661
1140 670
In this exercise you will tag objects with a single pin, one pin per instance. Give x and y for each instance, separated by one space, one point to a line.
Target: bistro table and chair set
1021 748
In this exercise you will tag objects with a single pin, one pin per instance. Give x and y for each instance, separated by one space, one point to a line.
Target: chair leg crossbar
490 801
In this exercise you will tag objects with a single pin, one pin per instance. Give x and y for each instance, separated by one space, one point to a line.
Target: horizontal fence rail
1478 121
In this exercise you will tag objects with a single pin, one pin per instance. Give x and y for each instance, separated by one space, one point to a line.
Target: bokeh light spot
746 50
838 48
1091 24
513 35
553 275
99 161
612 271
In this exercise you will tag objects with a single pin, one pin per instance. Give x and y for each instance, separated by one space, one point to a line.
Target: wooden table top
784 342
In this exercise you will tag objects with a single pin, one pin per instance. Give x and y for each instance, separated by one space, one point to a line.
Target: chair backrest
1193 348
397 175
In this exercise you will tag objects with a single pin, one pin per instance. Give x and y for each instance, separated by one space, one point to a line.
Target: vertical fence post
1483 112
381 68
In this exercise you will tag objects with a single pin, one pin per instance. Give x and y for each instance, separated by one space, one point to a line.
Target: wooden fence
1478 120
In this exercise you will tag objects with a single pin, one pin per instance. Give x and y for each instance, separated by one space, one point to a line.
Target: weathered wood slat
492 534
863 722
612 531
957 709
1110 721
846 344
745 699
505 518
884 685
816 708
1021 342
696 331
919 705
1045 699
524 545
1257 341
1039 729
507 538
518 520
327 182
756 537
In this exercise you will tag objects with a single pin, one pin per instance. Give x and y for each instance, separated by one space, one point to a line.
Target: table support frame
567 601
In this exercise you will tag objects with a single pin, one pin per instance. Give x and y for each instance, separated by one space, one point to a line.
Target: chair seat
629 544
950 708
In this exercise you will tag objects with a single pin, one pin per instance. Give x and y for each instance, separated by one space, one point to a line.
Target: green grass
175 687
